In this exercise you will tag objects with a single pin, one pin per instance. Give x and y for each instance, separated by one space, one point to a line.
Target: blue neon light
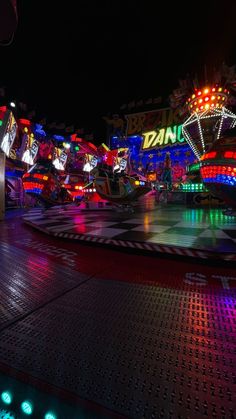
225 179
58 137
37 191
38 130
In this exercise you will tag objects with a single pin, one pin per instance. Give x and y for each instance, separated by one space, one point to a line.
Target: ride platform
205 233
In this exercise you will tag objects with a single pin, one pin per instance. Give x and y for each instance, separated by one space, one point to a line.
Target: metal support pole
2 185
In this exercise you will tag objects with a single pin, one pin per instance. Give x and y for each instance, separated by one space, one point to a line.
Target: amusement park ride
76 170
209 131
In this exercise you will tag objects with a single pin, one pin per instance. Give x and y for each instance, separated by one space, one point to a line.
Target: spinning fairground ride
114 183
67 169
210 132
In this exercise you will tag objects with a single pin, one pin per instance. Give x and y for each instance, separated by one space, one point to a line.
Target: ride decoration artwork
8 129
208 105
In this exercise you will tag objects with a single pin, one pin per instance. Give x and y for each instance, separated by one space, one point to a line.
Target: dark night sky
75 61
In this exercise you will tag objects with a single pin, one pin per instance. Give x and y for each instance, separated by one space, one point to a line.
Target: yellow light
136 182
217 105
213 98
76 187
193 96
197 109
220 89
223 98
45 178
25 129
206 91
213 90
219 97
191 106
207 106
195 103
200 101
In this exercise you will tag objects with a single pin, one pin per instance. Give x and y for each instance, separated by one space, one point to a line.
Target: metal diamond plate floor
140 337
29 281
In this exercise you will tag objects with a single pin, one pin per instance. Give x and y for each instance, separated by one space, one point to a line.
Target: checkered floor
170 226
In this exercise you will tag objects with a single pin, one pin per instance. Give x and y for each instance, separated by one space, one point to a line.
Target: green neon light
194 167
193 187
162 137
27 407
1 123
6 397
50 415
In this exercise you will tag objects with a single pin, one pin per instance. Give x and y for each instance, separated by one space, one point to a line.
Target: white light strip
220 125
201 136
190 143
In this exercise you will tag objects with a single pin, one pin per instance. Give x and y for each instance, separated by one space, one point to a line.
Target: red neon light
24 121
76 139
212 171
92 146
76 193
33 185
229 154
210 155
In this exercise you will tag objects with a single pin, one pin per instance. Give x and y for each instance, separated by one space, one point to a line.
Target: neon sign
162 137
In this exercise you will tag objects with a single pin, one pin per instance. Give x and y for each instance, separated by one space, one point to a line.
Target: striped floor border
150 247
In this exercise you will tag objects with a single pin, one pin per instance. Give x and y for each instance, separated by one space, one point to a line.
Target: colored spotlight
50 415
6 397
27 407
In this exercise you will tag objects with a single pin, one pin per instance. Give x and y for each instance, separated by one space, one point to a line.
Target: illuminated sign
60 159
90 164
8 132
31 152
162 137
151 121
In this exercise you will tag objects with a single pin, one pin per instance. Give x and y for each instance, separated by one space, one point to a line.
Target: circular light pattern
204 96
6 397
50 415
27 407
